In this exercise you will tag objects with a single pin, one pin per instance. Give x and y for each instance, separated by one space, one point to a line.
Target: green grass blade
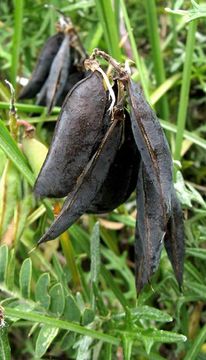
196 346
107 17
28 108
3 262
156 54
134 50
184 93
195 139
163 88
69 254
16 42
112 28
101 15
111 283
9 146
5 349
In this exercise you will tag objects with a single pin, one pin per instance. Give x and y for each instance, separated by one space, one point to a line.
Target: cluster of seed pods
107 143
59 67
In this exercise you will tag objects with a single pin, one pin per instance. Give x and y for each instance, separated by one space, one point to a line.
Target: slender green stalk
109 280
66 325
16 42
70 258
191 136
112 28
127 348
4 94
134 50
174 26
108 351
28 108
116 6
170 38
108 20
163 88
196 346
184 93
94 38
99 7
156 54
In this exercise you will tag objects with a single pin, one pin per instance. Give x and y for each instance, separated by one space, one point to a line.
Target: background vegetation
75 298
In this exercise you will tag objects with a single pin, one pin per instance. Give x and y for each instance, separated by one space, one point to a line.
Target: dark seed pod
90 181
77 133
174 239
122 176
152 145
58 74
74 75
42 69
72 78
149 229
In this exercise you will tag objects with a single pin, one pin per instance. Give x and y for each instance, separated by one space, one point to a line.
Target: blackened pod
72 79
122 176
174 239
42 68
152 145
150 230
58 73
89 183
74 74
78 130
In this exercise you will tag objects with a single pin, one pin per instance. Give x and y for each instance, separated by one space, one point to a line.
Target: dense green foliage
75 297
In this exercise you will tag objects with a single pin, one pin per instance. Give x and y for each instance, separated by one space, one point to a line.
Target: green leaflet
25 278
46 336
57 299
41 290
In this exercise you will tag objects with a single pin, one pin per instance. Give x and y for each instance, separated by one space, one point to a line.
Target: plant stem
16 42
28 108
112 28
66 325
164 87
156 54
99 7
193 352
108 20
134 50
191 136
109 280
184 93
70 258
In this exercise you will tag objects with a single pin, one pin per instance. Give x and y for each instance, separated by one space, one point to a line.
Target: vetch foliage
75 297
